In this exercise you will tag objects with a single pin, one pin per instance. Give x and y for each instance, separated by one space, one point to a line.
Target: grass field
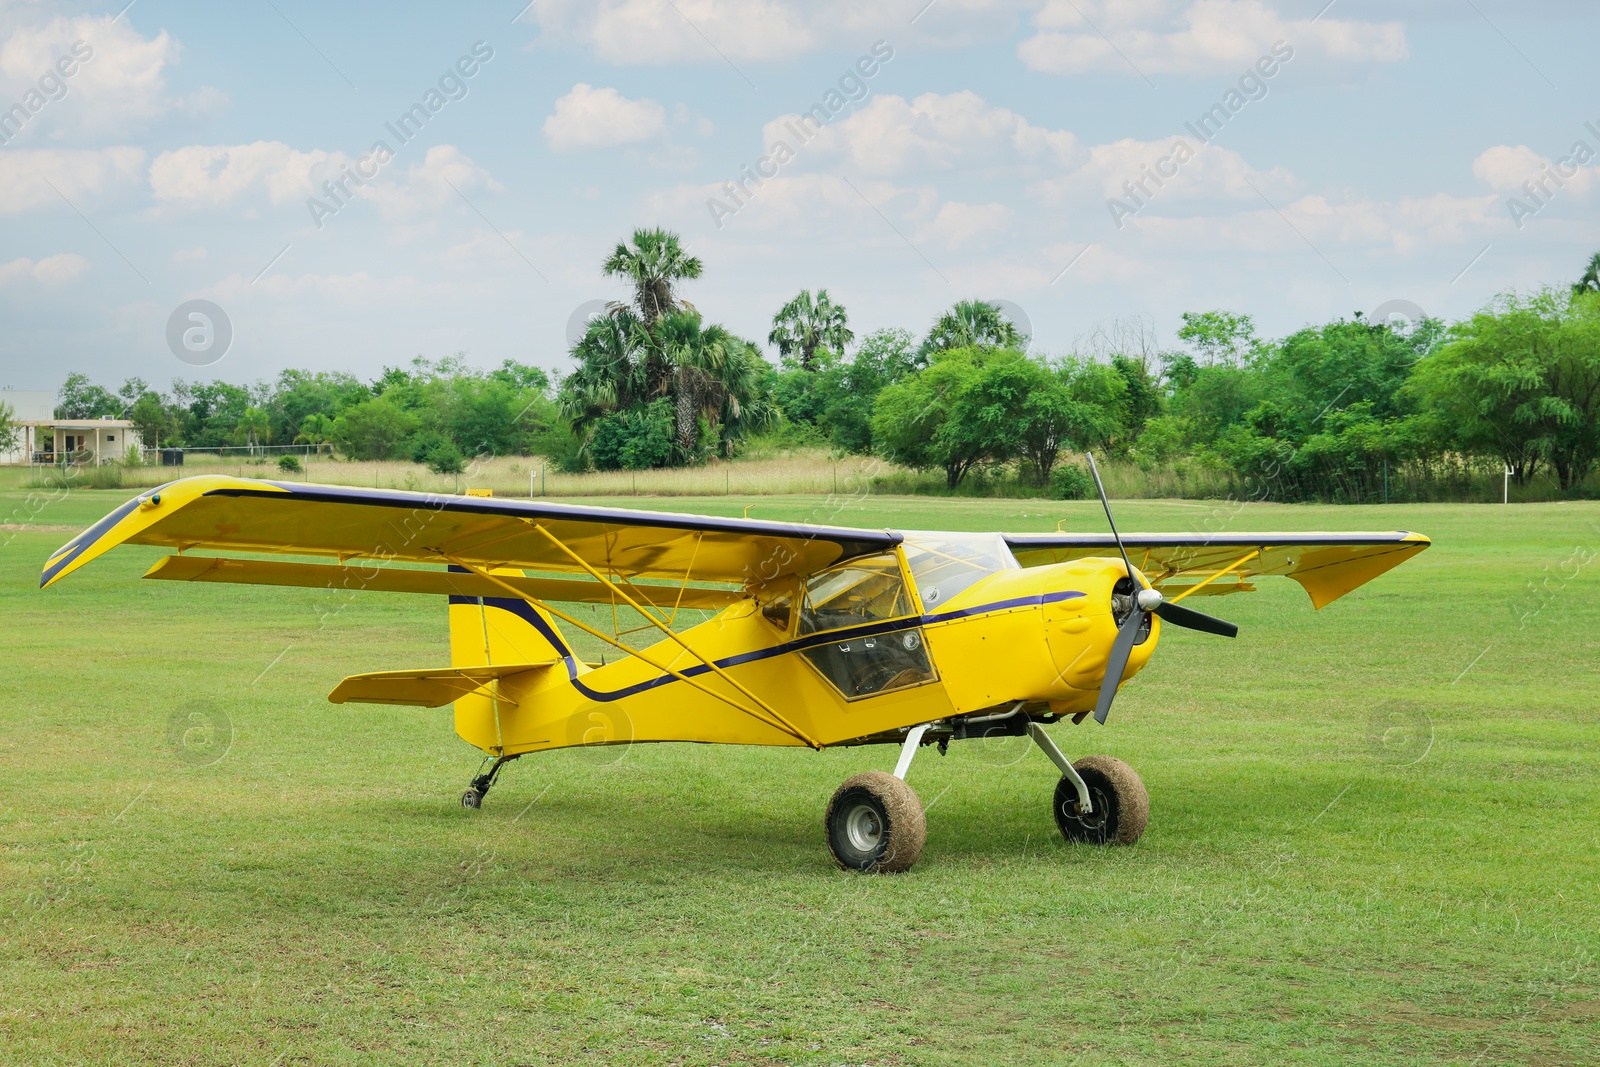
1374 838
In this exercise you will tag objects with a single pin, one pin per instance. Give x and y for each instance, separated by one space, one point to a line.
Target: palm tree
744 405
804 325
699 356
654 262
971 324
316 430
617 368
254 428
1590 281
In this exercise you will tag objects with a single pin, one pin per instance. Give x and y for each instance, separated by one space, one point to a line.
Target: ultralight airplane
817 636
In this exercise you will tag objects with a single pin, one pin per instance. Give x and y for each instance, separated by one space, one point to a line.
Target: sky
359 184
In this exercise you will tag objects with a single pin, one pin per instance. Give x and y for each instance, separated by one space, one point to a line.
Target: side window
867 590
882 663
779 611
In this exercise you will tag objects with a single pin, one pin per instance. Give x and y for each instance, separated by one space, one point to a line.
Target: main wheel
472 799
875 823
1121 805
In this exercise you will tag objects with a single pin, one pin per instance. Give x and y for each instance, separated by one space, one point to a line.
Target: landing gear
1119 807
473 797
1099 799
876 824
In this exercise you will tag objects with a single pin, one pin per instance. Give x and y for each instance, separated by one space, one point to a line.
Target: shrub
289 465
635 440
445 458
1070 482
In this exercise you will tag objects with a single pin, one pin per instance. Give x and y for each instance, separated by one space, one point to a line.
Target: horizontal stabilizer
428 688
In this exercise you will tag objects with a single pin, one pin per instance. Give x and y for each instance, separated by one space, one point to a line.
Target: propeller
1146 602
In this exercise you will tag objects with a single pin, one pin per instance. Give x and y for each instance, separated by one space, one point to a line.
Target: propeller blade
1106 503
1179 615
1117 663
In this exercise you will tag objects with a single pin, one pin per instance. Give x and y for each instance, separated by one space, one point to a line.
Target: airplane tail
489 632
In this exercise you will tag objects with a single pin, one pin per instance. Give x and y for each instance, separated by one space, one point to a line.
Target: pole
1385 479
542 468
1506 491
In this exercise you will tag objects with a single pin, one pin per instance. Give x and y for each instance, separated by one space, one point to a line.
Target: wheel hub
1096 819
864 828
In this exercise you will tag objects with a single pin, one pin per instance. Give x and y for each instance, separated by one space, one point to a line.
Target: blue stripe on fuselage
525 611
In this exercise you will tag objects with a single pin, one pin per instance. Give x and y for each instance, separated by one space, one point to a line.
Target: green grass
1373 839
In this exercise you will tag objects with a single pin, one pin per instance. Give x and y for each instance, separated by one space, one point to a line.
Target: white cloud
657 31
26 175
118 76
443 173
219 175
1506 169
713 31
1205 37
811 203
1211 173
958 224
601 118
51 270
1406 226
954 131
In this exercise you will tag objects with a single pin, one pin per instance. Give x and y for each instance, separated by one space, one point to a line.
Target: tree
618 368
655 261
1521 380
316 430
10 432
1589 282
152 419
1220 337
373 429
82 399
1141 400
521 376
640 438
701 358
254 428
1073 404
804 325
971 324
956 414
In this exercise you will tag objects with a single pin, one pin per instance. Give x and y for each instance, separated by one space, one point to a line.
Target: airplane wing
391 526
1327 565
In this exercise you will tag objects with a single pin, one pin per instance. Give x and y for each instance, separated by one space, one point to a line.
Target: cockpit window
944 565
867 590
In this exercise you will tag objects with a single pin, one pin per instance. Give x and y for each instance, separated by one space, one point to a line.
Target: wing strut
1229 569
781 725
664 628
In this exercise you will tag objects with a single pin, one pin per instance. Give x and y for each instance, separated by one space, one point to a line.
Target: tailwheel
876 824
1121 805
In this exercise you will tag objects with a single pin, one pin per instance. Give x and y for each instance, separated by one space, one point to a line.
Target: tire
875 824
1121 805
472 799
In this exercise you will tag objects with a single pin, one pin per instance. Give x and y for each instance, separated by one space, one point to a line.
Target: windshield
945 564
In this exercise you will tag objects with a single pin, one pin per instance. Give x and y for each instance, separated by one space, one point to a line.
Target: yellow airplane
766 633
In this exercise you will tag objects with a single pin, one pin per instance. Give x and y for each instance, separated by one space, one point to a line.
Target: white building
45 438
